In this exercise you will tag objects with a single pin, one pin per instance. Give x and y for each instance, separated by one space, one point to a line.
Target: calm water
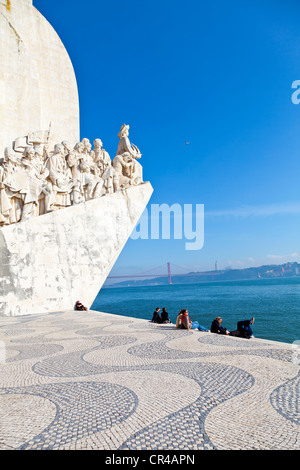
275 304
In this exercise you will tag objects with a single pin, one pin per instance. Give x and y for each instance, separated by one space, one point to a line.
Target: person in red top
183 320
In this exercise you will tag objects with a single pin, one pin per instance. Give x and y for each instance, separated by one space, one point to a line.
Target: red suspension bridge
168 273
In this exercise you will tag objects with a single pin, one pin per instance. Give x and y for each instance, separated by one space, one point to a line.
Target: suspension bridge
168 273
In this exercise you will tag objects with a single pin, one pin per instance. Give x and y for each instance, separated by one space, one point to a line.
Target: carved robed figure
35 181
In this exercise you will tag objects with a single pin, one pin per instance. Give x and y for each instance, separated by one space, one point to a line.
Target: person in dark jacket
244 328
79 306
156 316
216 327
165 316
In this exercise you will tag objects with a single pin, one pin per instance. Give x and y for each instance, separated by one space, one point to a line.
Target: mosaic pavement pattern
91 380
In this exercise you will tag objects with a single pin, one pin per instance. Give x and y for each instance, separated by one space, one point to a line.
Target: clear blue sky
217 74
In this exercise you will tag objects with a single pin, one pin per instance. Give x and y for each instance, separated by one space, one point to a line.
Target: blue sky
218 74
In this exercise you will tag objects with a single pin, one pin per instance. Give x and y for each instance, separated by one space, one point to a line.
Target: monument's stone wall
38 89
66 209
47 263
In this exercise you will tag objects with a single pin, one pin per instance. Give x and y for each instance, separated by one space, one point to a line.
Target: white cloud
292 207
282 257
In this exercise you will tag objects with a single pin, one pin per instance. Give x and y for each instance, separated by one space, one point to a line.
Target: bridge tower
169 273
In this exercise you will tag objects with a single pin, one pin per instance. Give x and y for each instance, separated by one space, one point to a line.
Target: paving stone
92 380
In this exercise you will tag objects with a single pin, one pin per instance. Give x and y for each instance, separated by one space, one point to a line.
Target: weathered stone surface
38 88
49 262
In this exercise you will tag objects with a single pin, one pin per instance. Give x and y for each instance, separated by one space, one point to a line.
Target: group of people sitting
243 330
183 321
163 318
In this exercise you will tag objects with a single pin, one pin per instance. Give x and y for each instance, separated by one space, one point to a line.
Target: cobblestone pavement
91 380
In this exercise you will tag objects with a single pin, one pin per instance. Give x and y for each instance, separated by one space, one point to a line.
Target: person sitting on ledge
165 316
156 317
245 329
183 320
216 327
178 319
79 306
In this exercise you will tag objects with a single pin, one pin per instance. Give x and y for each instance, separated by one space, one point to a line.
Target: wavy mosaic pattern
286 399
83 408
112 382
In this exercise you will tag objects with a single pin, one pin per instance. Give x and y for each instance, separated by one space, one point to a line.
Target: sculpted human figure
42 172
43 181
100 157
87 146
89 158
103 162
111 180
123 166
37 187
12 182
73 163
91 183
125 145
58 168
40 155
4 202
67 147
60 177
132 153
38 162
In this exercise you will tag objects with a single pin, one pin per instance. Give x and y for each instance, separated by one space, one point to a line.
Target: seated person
245 329
183 320
156 317
165 316
216 327
79 306
178 319
197 326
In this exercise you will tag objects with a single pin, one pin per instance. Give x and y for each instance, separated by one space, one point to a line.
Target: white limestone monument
66 208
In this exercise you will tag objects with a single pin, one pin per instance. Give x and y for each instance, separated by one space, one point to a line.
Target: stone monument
66 208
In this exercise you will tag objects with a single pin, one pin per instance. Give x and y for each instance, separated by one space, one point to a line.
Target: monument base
47 263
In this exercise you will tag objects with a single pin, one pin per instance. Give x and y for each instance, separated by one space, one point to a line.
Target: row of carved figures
36 181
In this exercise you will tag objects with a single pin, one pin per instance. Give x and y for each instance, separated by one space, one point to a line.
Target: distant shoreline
116 286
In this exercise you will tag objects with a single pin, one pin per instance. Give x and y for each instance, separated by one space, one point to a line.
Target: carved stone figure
36 187
67 147
91 184
125 145
100 157
43 180
87 146
4 202
5 205
111 180
73 162
60 177
91 165
123 165
58 168
14 184
132 153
